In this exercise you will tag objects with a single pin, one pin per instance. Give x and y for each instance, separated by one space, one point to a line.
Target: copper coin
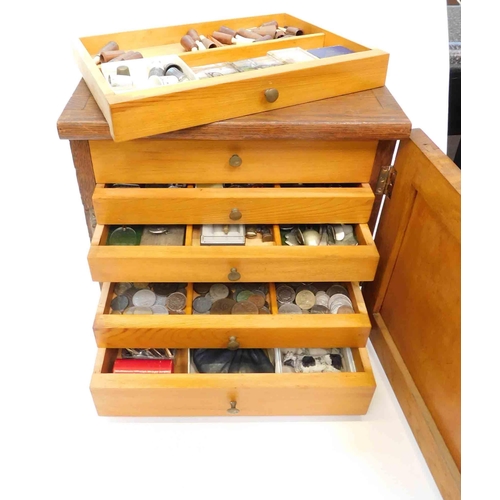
258 300
244 307
264 310
222 306
345 310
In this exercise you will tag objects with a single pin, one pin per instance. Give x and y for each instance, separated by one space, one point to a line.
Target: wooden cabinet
409 274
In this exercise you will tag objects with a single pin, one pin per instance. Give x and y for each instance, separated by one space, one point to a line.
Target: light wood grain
417 287
341 330
210 394
429 439
263 161
215 205
370 115
149 112
213 264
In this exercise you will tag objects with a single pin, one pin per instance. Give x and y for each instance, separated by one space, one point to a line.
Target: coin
311 288
264 310
201 288
120 288
285 294
144 298
129 310
219 291
263 287
141 286
289 308
143 310
242 296
244 307
161 300
123 236
130 292
119 303
176 301
158 229
182 290
319 309
305 299
222 306
202 304
339 298
258 300
157 309
337 289
345 310
258 292
322 299
164 288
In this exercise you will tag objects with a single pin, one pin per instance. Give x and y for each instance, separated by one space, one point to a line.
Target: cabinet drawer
183 161
194 394
216 331
271 205
263 263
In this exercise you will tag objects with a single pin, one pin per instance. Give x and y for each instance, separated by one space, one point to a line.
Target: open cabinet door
415 301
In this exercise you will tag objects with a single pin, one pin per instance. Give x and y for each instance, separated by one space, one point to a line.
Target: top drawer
142 110
173 161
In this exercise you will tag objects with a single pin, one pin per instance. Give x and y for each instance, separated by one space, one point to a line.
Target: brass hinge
386 180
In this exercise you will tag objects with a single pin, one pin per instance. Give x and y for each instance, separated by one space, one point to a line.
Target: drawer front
184 162
212 394
232 205
215 264
249 331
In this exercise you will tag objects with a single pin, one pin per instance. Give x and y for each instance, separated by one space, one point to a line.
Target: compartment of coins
148 298
314 298
146 235
318 235
230 298
257 235
317 360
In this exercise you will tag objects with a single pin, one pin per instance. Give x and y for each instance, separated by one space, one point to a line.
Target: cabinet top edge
368 115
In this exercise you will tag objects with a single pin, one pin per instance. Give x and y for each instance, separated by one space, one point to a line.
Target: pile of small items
319 235
306 298
193 41
219 298
144 361
313 361
149 298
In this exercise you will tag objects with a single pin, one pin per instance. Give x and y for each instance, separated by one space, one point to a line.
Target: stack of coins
309 298
220 298
149 298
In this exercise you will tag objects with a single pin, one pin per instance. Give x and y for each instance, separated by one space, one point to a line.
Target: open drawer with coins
265 204
150 161
231 315
150 81
343 392
271 261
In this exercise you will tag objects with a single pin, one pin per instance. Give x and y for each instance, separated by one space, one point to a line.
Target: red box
143 366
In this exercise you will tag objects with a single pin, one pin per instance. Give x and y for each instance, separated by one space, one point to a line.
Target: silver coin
161 300
219 291
339 297
196 312
119 303
202 304
130 310
176 301
289 308
120 288
319 309
337 289
305 299
158 229
157 309
322 299
143 310
144 298
285 294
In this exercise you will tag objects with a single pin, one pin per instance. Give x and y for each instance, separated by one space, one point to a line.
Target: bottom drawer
196 394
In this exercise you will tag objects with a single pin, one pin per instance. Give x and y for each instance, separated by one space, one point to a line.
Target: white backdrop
56 447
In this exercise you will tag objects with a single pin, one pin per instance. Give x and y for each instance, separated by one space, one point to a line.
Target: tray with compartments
305 64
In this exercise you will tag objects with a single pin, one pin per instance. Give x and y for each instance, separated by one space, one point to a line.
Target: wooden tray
142 113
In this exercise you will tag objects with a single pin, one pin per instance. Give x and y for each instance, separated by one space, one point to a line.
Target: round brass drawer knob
233 344
271 95
235 161
234 275
233 410
235 214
